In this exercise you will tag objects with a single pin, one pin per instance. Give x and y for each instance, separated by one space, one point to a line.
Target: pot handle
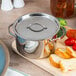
30 27
10 31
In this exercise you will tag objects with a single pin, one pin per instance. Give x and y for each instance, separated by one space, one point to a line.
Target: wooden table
6 18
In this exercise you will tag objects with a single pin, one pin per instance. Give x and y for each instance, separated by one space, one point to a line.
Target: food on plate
62 22
50 44
64 64
54 60
70 41
71 52
64 59
45 42
62 53
47 50
71 33
61 33
67 64
74 47
48 47
64 56
60 43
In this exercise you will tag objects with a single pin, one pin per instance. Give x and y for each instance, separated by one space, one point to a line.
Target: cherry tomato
74 47
54 36
70 41
71 33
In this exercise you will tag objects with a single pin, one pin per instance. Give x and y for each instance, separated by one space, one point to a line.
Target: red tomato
54 36
74 47
71 33
70 41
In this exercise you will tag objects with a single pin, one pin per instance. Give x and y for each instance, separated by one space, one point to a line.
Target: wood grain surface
7 18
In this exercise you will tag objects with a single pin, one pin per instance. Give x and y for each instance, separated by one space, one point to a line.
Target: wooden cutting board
45 64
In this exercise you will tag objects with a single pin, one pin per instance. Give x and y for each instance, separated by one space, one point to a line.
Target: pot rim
33 14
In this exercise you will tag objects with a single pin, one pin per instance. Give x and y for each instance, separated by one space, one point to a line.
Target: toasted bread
71 52
67 64
62 53
54 60
47 50
45 42
64 64
51 46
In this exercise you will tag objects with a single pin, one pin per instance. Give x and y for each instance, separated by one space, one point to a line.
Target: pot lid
36 26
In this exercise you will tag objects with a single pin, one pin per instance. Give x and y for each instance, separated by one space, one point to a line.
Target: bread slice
71 52
51 46
45 42
62 53
54 60
47 50
67 64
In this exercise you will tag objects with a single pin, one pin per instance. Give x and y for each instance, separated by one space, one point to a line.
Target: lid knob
36 27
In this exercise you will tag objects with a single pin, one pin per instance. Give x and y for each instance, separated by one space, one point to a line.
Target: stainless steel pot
29 30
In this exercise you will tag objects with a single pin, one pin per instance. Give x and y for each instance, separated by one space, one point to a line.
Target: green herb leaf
62 22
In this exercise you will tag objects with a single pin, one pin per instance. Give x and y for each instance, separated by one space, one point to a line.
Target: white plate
13 72
4 58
